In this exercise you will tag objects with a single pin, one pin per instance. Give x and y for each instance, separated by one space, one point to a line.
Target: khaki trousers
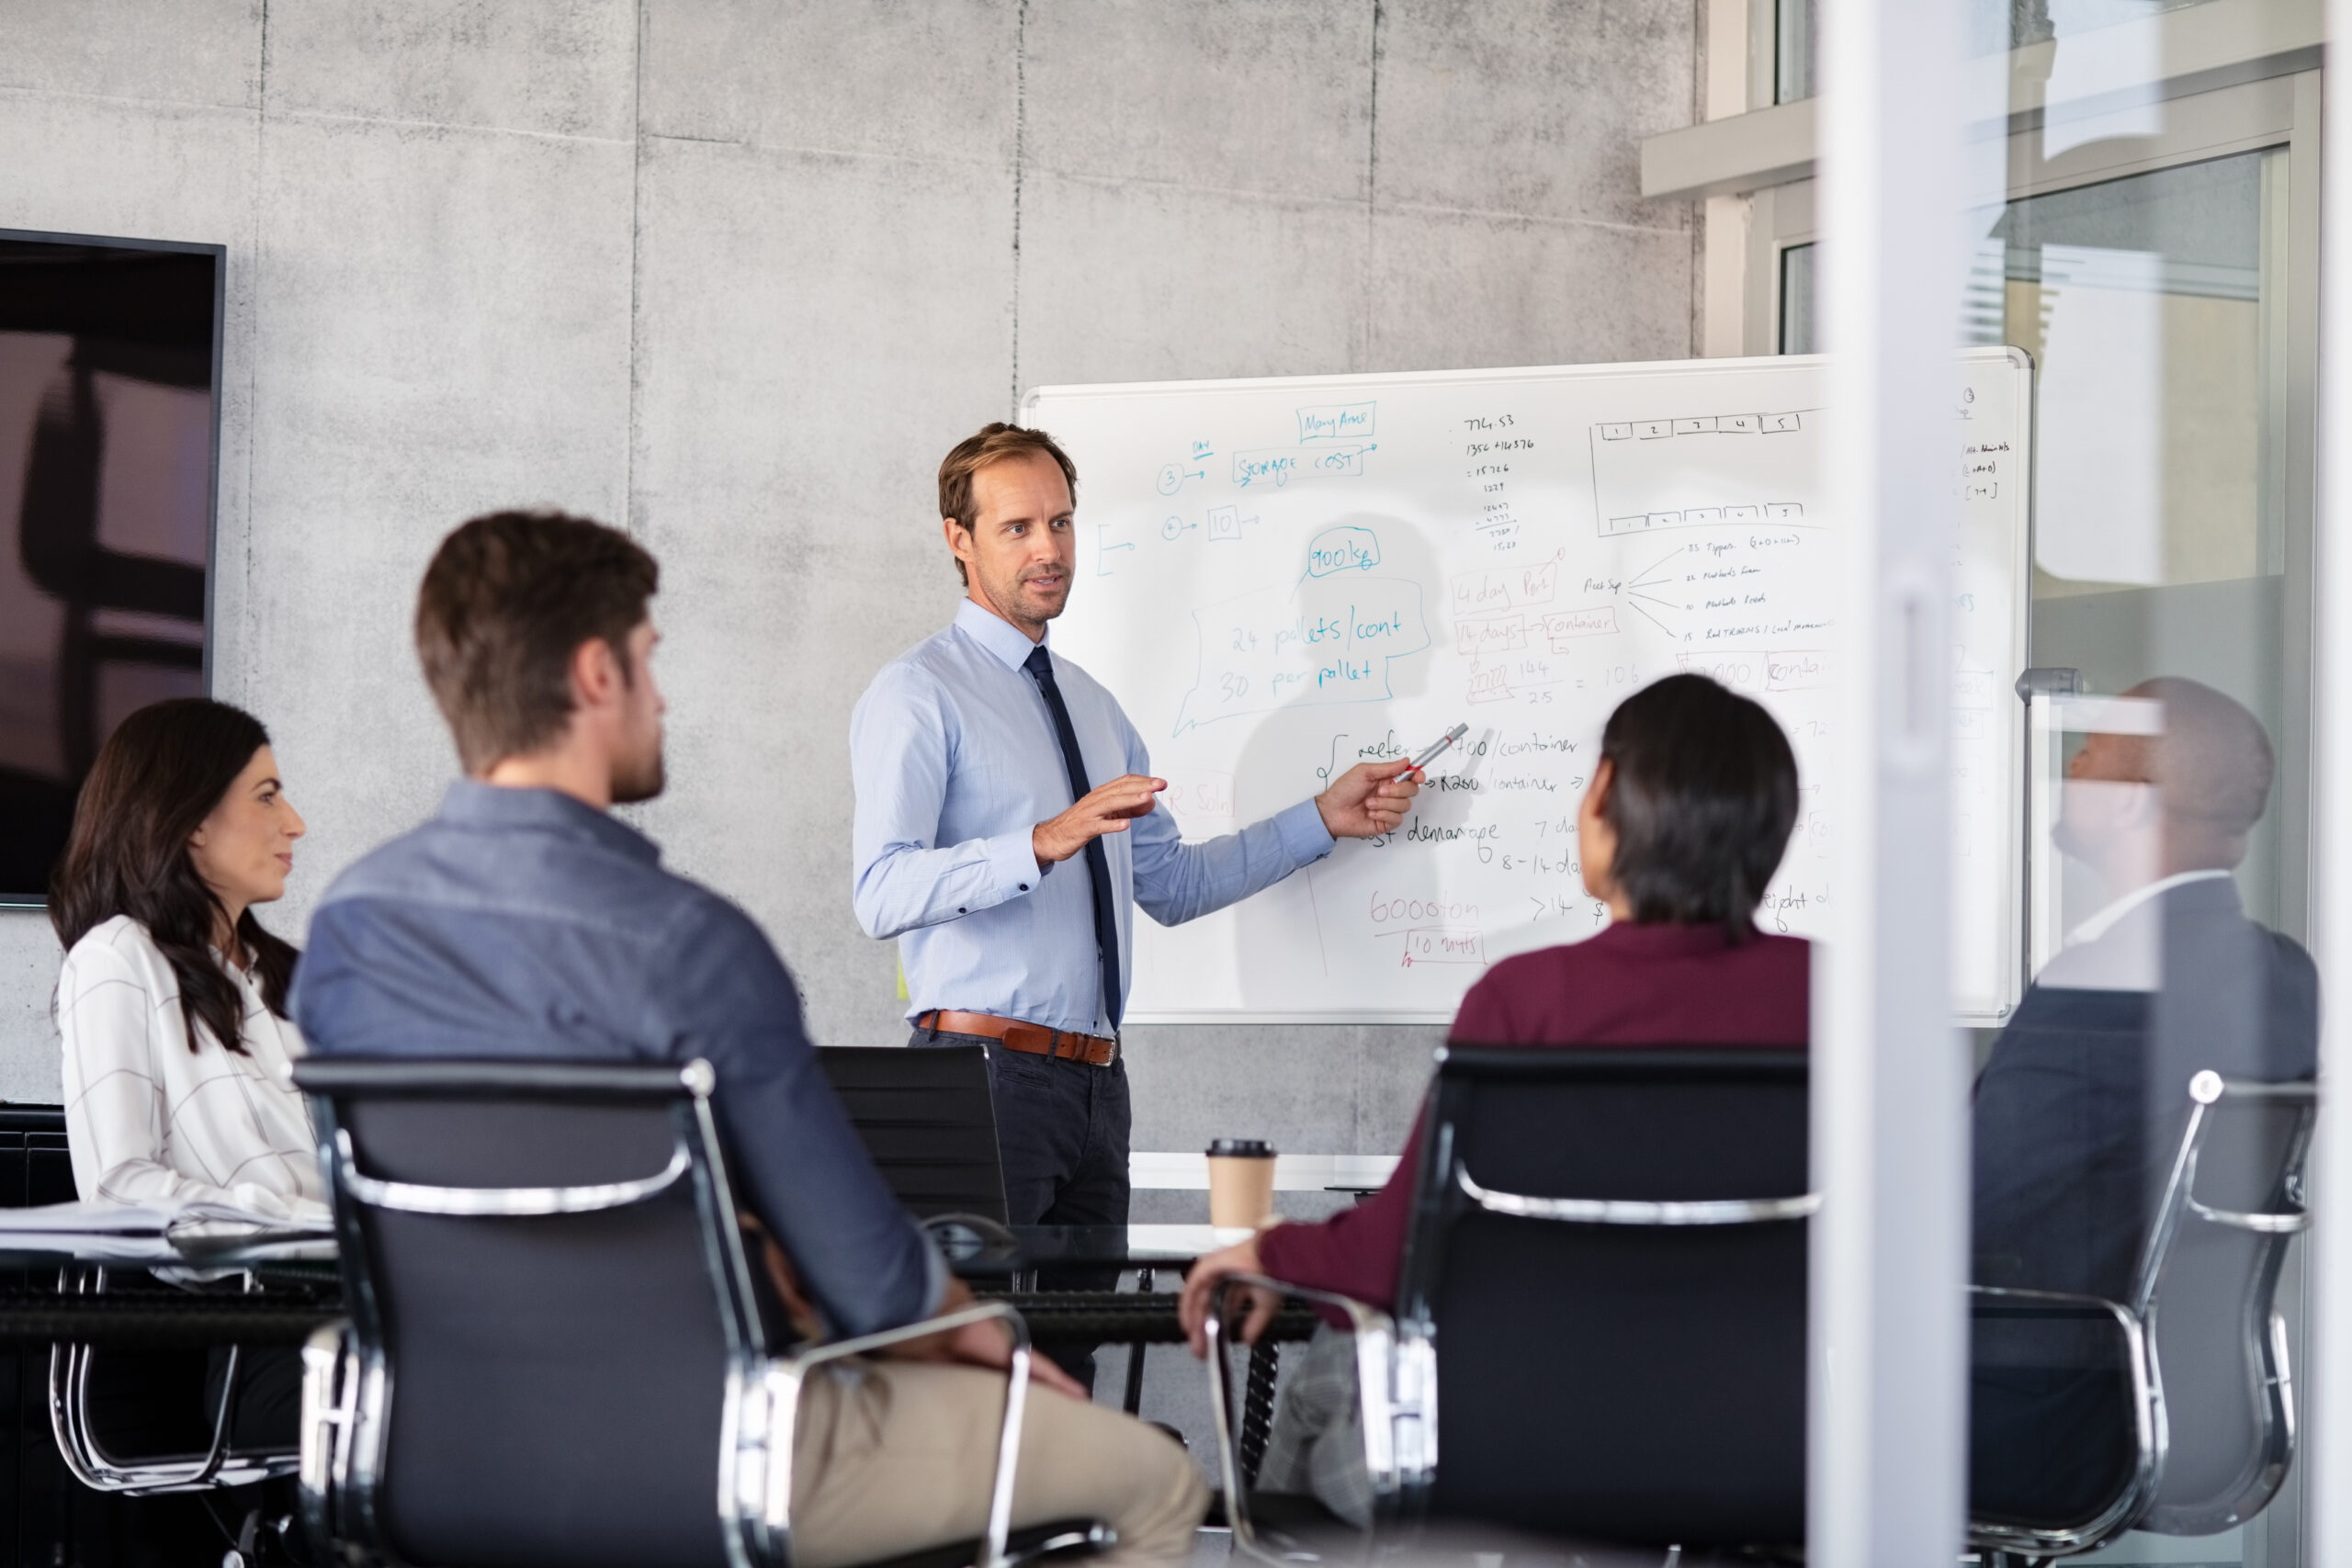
893 1456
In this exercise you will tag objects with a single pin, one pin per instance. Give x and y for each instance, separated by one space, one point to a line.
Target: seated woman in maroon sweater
1685 820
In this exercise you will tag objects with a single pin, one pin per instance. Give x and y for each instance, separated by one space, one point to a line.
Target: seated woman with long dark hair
1685 820
172 1000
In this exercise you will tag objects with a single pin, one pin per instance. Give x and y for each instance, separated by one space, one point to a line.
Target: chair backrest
1609 1249
927 1118
38 1490
2208 1288
36 1164
550 1293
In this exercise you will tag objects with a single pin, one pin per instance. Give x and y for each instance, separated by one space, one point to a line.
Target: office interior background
731 275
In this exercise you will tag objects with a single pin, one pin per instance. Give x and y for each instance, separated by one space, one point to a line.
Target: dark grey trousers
1061 1131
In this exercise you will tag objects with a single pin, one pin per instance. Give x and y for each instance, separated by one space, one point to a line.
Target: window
1797 334
1994 25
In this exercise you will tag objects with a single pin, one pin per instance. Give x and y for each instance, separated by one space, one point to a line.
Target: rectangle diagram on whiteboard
1701 424
1736 470
1705 517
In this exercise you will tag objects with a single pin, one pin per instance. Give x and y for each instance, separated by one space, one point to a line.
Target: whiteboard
1278 578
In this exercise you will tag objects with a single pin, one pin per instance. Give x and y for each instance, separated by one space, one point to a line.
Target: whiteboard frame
2019 551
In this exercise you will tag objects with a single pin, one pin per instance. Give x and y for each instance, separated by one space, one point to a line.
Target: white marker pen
1440 744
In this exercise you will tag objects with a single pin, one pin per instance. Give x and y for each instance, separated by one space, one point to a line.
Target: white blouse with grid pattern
150 1121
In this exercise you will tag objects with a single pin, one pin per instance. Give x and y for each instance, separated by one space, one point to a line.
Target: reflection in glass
1993 27
105 504
2133 1328
2124 1128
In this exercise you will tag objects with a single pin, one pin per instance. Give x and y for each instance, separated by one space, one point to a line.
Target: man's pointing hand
1369 799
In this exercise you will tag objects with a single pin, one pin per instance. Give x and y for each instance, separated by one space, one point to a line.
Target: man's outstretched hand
1369 799
1106 808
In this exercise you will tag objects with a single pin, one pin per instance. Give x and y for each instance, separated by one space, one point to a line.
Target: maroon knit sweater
1628 985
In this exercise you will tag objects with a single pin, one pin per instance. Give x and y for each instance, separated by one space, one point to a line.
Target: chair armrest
2147 1420
767 1419
2288 1222
1638 1210
1396 1391
946 1323
1999 1294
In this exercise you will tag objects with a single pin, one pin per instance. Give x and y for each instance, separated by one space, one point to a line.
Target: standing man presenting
1006 825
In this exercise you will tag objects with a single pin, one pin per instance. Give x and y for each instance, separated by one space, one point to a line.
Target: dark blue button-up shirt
523 922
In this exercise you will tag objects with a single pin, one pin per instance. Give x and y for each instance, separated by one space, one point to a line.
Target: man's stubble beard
1010 600
641 780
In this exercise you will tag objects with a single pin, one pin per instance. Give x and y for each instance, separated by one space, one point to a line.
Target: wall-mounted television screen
109 395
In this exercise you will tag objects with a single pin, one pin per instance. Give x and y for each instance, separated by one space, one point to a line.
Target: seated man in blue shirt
523 921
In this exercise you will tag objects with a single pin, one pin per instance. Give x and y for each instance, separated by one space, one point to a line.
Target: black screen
108 386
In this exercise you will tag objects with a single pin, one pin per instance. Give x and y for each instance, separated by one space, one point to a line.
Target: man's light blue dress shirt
956 760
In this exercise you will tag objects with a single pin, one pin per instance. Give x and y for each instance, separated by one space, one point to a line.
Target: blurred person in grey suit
2083 1102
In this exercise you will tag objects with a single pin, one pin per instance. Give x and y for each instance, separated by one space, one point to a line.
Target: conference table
278 1291
299 1288
296 1286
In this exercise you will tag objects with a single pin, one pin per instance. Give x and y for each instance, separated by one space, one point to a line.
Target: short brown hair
991 443
504 602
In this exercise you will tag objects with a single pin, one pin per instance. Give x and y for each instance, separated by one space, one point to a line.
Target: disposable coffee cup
1241 1183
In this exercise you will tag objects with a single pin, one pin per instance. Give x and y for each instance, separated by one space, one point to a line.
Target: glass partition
2142 1124
2131 201
2151 304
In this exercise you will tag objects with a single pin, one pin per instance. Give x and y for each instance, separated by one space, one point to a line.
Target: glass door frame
2329 1380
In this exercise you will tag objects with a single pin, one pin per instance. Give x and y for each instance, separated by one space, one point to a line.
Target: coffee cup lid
1241 1148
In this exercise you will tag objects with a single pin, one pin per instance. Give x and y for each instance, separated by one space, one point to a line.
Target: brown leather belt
1029 1039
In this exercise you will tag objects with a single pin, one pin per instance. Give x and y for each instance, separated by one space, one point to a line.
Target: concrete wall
735 273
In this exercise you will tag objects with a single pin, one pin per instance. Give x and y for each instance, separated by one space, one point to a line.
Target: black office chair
928 1120
121 1421
2172 1411
1606 1272
148 1423
40 1500
36 1161
556 1351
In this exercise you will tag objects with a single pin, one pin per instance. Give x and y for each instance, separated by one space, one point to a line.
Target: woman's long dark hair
155 780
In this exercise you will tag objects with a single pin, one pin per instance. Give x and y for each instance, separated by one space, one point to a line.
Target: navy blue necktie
1098 864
